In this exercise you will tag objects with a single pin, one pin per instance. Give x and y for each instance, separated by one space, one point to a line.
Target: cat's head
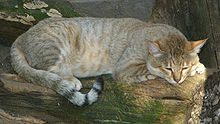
173 57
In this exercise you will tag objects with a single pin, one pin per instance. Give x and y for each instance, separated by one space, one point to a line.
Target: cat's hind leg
69 87
56 76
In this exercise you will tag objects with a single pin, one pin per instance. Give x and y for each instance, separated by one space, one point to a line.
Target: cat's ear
197 45
154 48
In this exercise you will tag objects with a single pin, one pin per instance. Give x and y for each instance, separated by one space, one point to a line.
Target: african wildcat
57 50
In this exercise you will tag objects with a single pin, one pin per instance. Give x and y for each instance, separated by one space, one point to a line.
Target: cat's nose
177 80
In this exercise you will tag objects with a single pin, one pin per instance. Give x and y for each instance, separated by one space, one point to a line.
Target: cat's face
173 58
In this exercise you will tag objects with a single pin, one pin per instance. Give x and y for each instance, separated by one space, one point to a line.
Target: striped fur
56 51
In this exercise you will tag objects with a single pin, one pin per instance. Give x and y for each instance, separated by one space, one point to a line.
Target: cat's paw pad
151 77
200 69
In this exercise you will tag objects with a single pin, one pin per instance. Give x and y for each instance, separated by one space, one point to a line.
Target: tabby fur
57 51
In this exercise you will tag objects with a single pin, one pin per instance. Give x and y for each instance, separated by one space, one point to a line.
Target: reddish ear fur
197 45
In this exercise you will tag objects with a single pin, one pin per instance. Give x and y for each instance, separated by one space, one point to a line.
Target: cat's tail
52 80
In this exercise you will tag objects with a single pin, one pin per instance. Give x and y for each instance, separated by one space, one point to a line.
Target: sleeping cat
57 51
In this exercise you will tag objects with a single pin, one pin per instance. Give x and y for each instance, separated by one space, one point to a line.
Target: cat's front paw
151 77
193 73
200 69
147 77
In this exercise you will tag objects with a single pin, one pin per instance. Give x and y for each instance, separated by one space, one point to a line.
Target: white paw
200 69
151 77
74 83
146 77
77 84
193 73
142 78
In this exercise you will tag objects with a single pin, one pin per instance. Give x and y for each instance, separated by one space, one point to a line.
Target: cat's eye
170 69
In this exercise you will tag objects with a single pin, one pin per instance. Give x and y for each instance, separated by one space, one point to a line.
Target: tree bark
154 101
211 102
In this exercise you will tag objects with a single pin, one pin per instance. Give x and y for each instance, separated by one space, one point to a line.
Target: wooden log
154 101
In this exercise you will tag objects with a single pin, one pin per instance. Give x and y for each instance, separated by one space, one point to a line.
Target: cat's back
89 27
91 22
